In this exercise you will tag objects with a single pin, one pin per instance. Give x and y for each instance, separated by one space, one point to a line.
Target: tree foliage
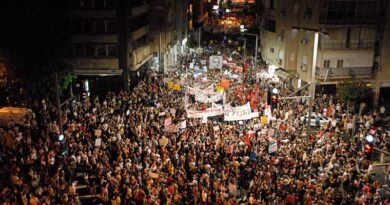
35 43
354 92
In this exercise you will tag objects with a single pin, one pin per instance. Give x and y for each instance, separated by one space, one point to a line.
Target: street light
312 87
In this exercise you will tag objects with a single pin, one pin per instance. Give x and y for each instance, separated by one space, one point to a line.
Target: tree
35 43
354 92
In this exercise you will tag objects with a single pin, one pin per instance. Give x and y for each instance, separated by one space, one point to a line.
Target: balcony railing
138 10
140 55
350 72
139 32
344 46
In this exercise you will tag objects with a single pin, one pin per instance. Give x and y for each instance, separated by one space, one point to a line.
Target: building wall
355 58
383 75
94 35
168 29
292 49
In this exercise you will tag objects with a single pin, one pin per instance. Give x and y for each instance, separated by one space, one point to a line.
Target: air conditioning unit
304 67
303 41
280 37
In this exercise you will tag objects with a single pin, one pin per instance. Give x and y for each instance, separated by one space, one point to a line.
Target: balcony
139 10
344 46
344 73
139 32
140 55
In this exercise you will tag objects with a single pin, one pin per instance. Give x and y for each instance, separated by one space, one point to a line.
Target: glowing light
370 138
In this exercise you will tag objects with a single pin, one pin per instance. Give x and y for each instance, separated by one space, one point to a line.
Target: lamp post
312 88
59 115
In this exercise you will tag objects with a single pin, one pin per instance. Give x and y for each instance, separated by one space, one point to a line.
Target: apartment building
169 30
382 84
349 38
108 38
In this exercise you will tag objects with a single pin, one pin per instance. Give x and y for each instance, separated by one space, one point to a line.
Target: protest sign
239 113
98 142
183 125
98 133
273 147
264 120
210 112
206 98
215 62
224 83
170 85
177 87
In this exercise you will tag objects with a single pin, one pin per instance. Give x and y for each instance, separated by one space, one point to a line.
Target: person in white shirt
382 110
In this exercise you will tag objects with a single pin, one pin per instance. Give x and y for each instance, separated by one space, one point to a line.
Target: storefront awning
282 73
97 72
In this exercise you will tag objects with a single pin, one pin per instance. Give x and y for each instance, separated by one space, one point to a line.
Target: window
101 50
340 63
112 26
326 64
341 9
89 50
100 27
112 50
87 26
99 4
110 3
73 3
85 3
304 60
76 26
272 4
79 50
271 50
269 25
308 13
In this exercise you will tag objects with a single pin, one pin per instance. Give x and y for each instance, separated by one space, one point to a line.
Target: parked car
323 119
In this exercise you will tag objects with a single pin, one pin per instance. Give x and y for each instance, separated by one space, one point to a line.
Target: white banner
206 98
210 112
215 62
239 113
193 91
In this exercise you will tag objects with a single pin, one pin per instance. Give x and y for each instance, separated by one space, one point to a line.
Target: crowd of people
119 146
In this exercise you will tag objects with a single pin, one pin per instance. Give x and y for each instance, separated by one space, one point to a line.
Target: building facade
349 42
108 37
382 84
169 30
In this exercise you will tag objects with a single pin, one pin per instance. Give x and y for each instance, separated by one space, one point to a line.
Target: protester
140 147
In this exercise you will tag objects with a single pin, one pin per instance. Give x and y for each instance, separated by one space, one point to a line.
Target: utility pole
312 88
59 115
244 49
199 36
312 83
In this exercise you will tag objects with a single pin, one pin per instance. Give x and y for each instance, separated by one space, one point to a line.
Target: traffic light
269 94
368 149
274 100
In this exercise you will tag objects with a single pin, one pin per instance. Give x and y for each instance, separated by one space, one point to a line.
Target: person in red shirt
308 200
291 199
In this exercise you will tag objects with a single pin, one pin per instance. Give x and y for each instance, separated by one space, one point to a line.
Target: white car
323 119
